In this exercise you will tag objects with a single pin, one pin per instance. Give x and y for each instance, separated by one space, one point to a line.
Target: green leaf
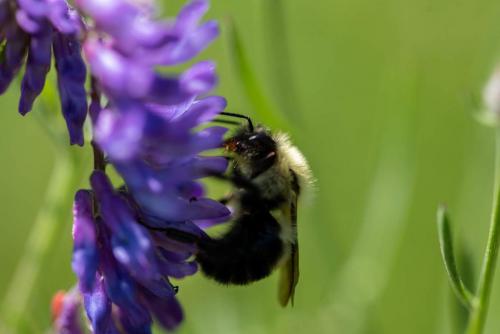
263 107
280 69
446 244
459 312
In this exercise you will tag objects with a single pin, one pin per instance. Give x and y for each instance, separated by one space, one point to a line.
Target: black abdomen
248 252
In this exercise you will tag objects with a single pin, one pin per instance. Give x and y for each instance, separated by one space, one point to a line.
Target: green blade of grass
448 254
262 106
278 57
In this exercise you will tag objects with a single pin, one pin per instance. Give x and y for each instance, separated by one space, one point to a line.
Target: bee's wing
289 276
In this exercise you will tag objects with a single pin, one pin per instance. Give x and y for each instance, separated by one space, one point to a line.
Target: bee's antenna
248 119
225 121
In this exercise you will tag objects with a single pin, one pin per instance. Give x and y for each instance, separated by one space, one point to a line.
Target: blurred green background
381 96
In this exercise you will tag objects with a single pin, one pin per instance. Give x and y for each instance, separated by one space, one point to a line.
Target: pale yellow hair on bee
291 157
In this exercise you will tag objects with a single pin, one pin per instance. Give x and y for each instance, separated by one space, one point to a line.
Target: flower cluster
151 127
29 32
149 131
119 262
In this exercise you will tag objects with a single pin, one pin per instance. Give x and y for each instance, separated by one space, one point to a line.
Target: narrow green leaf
280 68
263 107
446 244
459 312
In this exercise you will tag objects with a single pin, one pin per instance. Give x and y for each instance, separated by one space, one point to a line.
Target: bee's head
254 150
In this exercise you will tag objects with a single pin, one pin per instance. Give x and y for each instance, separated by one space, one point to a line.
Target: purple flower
31 29
147 40
131 270
85 250
98 307
66 313
71 77
124 79
154 131
147 131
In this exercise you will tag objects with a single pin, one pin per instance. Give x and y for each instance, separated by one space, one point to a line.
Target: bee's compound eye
253 137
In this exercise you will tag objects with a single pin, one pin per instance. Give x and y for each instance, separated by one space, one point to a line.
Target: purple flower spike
85 257
149 130
130 285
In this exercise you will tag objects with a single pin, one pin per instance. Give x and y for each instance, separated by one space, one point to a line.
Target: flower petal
201 111
177 269
120 287
37 67
12 55
68 320
130 243
98 307
119 134
71 75
167 311
85 254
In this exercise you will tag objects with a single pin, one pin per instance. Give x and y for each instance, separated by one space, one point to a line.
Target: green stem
478 315
51 219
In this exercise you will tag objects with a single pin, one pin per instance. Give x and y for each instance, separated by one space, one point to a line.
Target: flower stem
50 221
479 312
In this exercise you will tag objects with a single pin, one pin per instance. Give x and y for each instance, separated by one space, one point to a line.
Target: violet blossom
149 131
66 309
32 31
152 127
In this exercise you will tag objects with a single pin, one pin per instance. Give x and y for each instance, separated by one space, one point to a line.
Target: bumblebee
268 174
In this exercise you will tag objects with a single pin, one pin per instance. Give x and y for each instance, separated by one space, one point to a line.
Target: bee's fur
248 252
266 170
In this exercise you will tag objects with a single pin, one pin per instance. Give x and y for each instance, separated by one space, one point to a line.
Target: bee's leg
248 119
174 287
178 235
237 180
